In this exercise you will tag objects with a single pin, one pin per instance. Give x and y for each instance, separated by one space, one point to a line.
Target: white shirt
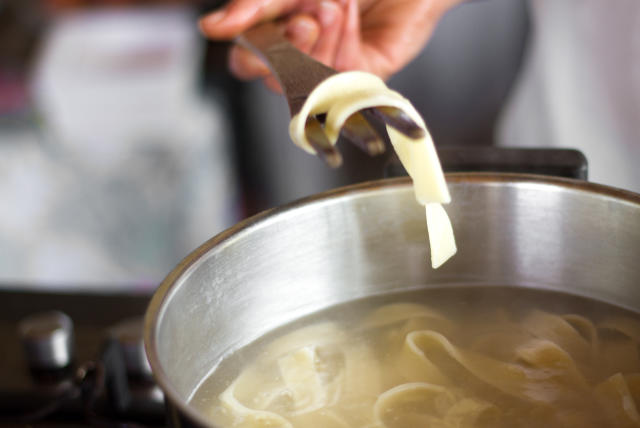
580 86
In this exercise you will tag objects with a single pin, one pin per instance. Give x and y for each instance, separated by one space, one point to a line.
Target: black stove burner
75 359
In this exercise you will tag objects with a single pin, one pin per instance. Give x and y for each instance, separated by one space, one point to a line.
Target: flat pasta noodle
326 333
539 382
416 377
440 232
557 329
412 399
619 343
344 94
624 325
472 412
324 419
245 417
615 396
401 312
303 380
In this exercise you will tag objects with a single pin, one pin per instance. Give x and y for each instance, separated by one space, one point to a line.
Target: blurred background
125 143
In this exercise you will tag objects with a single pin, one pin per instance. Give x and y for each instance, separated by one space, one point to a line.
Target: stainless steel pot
369 239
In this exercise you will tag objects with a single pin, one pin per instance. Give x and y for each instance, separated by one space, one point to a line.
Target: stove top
75 359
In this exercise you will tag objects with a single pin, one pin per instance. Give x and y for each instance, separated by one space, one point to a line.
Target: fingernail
327 14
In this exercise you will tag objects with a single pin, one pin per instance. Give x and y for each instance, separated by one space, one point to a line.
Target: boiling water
451 357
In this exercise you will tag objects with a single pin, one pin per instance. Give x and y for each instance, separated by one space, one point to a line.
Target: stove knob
129 335
47 338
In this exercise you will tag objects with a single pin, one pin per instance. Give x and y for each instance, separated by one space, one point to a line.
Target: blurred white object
132 169
580 86
108 78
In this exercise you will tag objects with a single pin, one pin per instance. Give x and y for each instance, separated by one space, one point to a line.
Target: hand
379 36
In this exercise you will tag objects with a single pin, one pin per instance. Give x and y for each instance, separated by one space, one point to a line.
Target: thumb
240 15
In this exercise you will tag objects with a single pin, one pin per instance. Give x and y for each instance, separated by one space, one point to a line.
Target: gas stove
77 359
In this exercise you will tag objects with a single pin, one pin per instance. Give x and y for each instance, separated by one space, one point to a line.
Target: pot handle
569 163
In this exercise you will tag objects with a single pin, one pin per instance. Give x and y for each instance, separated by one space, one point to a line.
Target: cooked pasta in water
490 357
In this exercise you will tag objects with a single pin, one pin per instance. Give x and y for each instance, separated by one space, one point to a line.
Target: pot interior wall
371 240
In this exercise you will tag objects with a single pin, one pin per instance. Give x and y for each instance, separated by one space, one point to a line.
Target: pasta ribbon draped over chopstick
407 365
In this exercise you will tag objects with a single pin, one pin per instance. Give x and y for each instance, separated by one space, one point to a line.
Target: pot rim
163 292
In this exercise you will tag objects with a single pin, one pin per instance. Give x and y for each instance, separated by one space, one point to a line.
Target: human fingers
240 15
393 33
301 30
245 65
349 51
330 16
272 83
